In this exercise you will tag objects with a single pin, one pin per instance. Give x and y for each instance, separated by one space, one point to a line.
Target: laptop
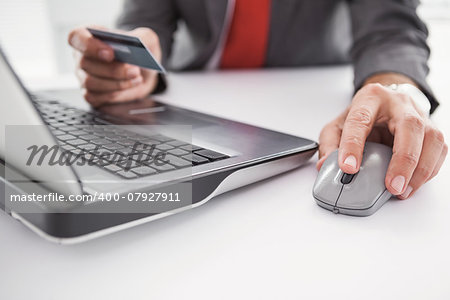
131 163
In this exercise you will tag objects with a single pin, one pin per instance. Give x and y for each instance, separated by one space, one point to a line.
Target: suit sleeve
159 15
388 36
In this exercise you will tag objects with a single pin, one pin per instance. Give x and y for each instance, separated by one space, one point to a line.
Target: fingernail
75 41
407 192
105 55
133 72
136 81
398 183
350 161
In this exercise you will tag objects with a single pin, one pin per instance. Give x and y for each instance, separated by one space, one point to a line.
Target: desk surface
266 241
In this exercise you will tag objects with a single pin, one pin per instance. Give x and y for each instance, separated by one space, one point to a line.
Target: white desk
265 241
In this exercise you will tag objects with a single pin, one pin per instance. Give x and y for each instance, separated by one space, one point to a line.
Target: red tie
246 44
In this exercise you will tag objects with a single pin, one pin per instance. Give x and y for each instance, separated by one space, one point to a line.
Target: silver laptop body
222 155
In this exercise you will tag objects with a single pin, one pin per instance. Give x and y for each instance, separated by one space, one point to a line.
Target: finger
433 143
111 70
150 39
328 141
408 140
97 84
83 41
357 126
440 161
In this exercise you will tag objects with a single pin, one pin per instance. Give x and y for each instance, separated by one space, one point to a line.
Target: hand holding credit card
128 49
114 67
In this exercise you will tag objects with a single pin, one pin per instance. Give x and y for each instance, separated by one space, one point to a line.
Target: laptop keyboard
76 132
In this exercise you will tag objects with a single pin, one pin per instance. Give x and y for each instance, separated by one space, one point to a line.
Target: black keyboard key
57 125
113 168
77 142
211 155
112 147
66 137
68 147
191 148
127 174
76 152
177 143
127 151
89 156
58 132
139 157
196 159
129 164
83 129
149 141
66 128
162 167
78 132
87 147
100 142
164 147
178 162
101 161
88 137
69 122
142 147
125 142
144 171
178 152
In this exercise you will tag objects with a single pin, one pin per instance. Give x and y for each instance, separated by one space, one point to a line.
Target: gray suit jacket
375 35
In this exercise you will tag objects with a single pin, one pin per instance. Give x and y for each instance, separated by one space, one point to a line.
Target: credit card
128 49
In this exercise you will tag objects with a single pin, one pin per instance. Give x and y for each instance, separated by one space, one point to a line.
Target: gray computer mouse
361 194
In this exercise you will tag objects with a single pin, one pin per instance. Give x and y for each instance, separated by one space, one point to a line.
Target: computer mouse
360 194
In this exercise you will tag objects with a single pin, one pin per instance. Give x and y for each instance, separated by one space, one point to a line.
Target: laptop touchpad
149 112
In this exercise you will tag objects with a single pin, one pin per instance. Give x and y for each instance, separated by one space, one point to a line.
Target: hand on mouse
379 114
108 81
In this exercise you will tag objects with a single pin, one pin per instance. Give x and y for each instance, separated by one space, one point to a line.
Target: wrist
405 85
389 78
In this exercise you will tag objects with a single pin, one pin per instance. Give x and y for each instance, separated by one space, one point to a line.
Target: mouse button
327 186
364 212
347 178
327 193
326 189
359 199
362 192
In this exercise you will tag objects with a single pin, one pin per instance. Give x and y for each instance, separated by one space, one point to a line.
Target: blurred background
34 32
42 26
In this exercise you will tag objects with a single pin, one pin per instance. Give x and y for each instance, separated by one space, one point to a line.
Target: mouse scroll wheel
347 178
